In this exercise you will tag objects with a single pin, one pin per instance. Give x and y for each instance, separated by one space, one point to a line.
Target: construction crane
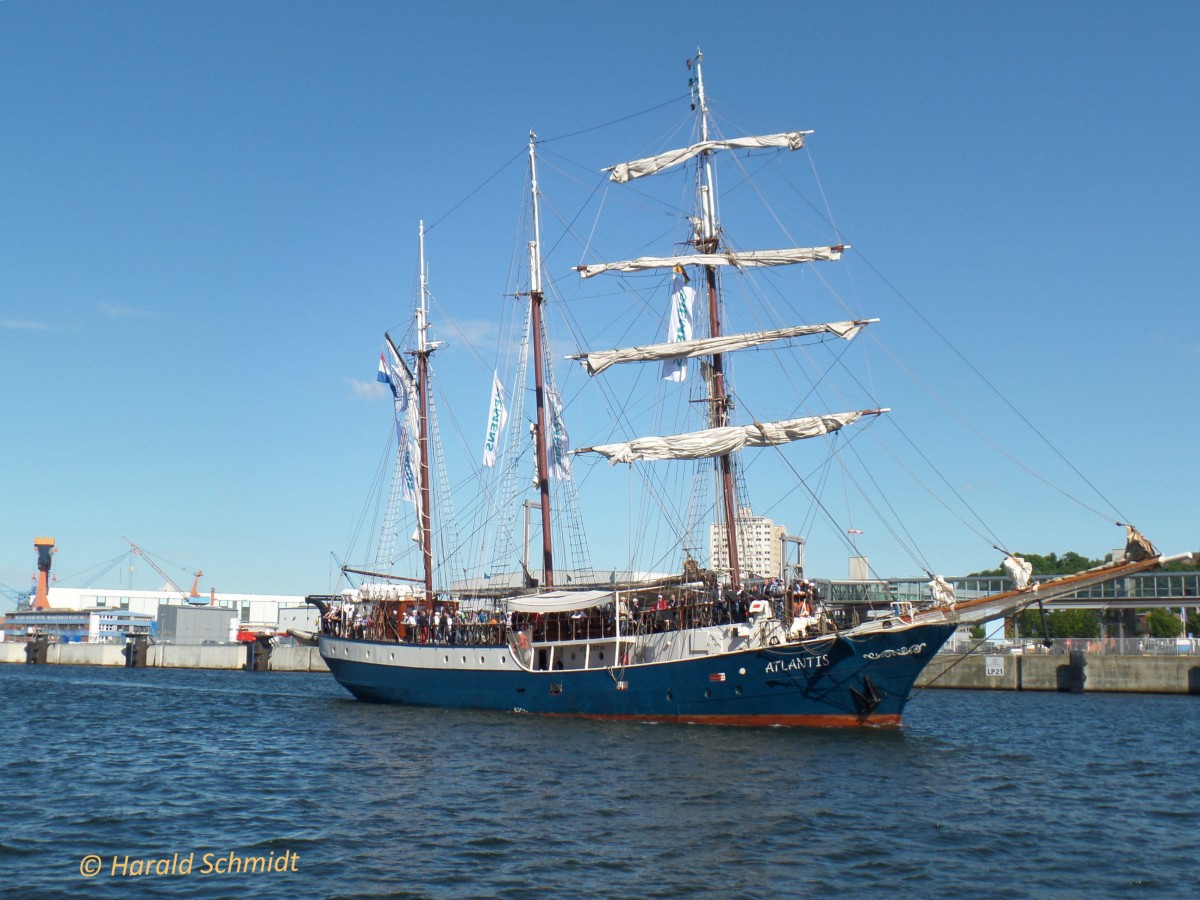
195 593
45 548
20 599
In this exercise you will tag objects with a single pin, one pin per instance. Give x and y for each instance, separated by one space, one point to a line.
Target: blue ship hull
831 681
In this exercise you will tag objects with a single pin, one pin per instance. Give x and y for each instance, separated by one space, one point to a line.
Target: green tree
1162 623
1061 623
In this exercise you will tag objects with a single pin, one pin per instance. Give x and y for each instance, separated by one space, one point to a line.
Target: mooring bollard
258 655
37 649
1078 662
135 652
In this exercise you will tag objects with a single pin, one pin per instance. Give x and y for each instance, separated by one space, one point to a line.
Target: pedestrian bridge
1169 590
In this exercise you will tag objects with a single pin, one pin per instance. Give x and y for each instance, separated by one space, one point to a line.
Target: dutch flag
382 375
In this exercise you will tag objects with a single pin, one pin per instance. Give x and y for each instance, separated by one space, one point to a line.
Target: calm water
1010 794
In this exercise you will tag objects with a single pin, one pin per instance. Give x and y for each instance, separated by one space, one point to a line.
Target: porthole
669 696
391 656
481 660
446 659
707 693
738 690
504 660
602 654
464 660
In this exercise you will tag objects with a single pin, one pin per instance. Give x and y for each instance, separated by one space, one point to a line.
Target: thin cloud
368 390
117 311
21 325
475 333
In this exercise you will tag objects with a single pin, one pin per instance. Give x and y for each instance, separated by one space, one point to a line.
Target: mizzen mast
424 350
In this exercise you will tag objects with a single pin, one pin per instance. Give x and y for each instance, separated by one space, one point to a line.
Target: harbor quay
1076 671
1094 668
257 656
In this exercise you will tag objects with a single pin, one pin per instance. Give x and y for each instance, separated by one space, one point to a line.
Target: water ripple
1015 794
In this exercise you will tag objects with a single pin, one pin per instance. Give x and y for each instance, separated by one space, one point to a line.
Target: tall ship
716 640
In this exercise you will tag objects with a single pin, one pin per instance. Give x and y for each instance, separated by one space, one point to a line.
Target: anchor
868 699
1046 640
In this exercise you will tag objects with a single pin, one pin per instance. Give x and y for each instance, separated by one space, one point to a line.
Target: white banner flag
497 417
560 443
680 327
410 482
395 374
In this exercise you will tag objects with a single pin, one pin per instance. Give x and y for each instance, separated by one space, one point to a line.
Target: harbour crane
195 593
19 598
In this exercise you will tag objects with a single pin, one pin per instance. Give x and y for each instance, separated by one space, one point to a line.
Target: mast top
425 347
535 253
698 98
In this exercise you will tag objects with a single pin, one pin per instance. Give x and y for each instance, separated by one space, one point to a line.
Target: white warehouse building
255 612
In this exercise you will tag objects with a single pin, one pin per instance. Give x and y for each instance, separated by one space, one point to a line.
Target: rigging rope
995 390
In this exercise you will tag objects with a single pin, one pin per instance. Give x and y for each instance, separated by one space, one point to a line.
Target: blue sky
208 216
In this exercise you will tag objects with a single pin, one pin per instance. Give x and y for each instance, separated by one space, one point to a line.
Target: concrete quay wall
171 656
1076 672
12 652
297 659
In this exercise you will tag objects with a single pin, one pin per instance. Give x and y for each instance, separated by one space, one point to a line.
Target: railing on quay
1143 646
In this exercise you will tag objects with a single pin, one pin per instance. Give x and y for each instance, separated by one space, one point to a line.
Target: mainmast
706 240
536 299
424 351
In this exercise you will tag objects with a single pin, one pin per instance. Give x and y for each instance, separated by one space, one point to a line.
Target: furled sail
720 441
785 257
623 172
599 360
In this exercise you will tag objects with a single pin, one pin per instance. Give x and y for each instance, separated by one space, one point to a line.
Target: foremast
721 439
706 240
536 301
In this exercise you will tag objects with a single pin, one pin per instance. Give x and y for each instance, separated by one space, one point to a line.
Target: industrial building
253 612
94 626
196 624
94 614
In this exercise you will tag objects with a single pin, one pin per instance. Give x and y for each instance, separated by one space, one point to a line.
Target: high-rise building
760 550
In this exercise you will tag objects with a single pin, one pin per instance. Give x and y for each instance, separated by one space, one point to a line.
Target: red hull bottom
774 721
